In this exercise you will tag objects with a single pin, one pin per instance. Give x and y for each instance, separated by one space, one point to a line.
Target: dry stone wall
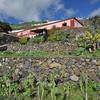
65 68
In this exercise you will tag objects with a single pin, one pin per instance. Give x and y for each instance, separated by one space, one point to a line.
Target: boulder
98 63
54 64
74 78
20 65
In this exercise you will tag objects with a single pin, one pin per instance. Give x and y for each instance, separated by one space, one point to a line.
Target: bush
5 27
58 35
23 40
38 39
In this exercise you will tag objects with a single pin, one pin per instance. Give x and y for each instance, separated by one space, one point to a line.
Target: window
64 24
54 26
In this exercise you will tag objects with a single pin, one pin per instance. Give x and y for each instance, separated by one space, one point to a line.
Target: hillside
63 64
26 25
92 22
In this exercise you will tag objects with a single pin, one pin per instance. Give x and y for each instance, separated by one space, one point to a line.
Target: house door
72 24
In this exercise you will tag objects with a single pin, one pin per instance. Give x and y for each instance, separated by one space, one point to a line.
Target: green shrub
38 39
23 40
58 35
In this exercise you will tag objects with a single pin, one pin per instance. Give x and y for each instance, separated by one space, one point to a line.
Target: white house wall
77 24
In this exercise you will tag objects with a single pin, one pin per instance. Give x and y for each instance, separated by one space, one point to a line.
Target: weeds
31 88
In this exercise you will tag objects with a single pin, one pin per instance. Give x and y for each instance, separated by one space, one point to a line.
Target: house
26 33
65 23
31 33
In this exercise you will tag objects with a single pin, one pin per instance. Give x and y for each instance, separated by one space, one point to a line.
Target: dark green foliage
53 35
23 40
6 38
58 35
38 39
5 27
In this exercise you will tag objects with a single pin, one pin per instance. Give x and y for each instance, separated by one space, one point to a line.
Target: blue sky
83 7
15 11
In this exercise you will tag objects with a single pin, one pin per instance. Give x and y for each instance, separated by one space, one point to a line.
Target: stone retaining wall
43 46
64 67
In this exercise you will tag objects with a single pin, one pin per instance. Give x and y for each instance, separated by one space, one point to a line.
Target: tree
5 27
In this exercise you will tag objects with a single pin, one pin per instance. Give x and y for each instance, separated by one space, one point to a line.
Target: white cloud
32 9
95 12
57 6
70 12
27 9
94 1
